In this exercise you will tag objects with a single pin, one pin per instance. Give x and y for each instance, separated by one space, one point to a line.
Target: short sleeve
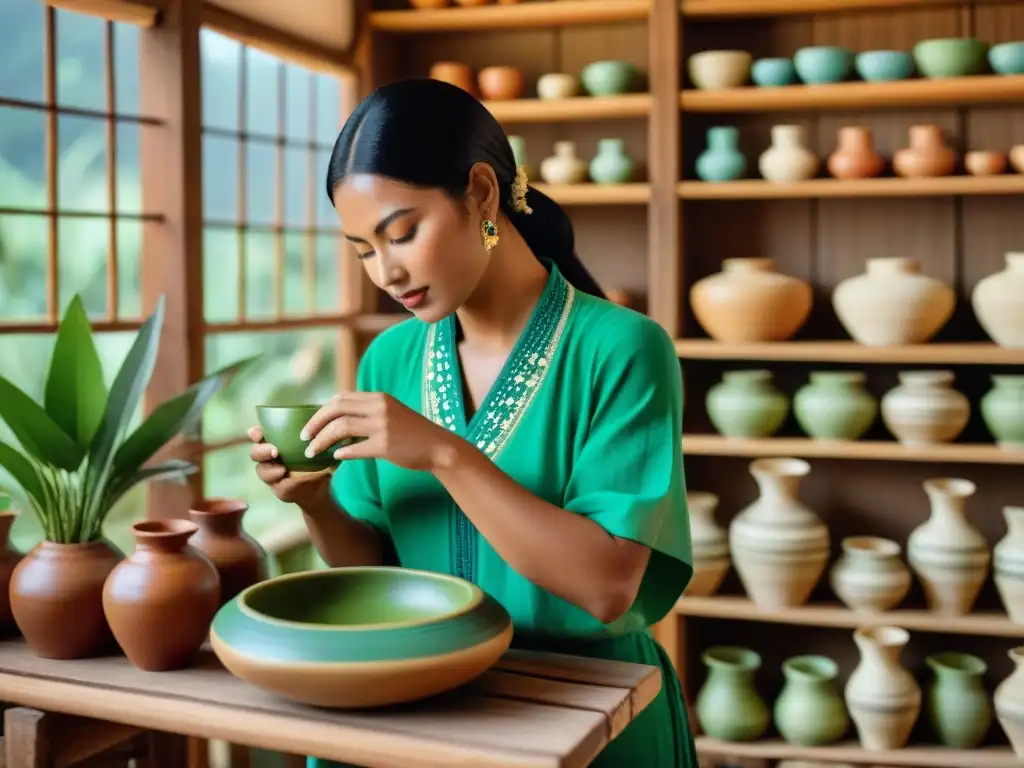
628 473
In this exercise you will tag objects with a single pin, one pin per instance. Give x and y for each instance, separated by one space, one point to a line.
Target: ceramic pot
611 164
710 545
869 576
239 559
820 64
746 404
728 705
1008 564
564 167
788 159
1002 409
809 711
925 409
282 427
749 301
834 406
891 304
998 302
949 556
773 72
956 702
778 545
721 160
882 697
980 163
714 70
928 155
501 83
557 85
518 144
1009 703
855 156
56 597
609 78
455 73
9 559
1017 157
161 599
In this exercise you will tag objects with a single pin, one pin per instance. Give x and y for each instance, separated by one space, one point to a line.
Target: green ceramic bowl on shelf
360 637
950 57
281 425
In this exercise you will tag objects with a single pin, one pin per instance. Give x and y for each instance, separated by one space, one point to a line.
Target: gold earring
489 234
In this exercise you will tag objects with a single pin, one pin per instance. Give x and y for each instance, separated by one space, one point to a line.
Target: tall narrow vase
728 705
883 698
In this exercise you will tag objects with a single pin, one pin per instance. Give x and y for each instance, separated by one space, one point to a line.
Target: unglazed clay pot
855 156
57 599
710 545
869 576
1009 703
750 301
240 560
456 73
892 303
501 83
928 155
883 698
980 163
998 303
1008 564
925 409
161 599
564 167
9 559
788 159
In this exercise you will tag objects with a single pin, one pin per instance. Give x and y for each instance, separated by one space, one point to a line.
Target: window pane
260 275
328 109
220 275
297 283
328 287
298 85
22 158
326 216
82 169
220 178
81 61
22 33
129 270
83 246
261 182
297 186
220 72
23 247
129 176
126 69
262 106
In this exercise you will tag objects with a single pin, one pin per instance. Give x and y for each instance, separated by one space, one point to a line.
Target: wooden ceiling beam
142 13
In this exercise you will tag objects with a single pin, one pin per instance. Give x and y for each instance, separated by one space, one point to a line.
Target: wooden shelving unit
494 18
849 752
947 186
576 109
735 9
597 194
970 353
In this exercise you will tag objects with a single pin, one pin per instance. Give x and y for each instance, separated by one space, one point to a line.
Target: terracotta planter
455 73
855 156
240 560
501 83
57 599
9 560
161 599
926 156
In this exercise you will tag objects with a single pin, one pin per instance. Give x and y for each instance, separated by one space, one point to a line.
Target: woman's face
417 244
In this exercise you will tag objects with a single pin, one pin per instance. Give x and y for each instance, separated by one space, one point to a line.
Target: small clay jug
855 156
240 560
928 155
161 599
565 166
9 559
788 159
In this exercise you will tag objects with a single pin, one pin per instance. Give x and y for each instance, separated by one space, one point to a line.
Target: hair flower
519 187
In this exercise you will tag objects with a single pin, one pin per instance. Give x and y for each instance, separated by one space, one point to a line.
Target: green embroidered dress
586 414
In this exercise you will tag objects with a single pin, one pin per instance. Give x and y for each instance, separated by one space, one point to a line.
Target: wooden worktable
532 711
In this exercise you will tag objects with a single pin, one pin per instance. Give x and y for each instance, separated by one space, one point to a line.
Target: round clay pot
981 163
716 70
924 409
455 73
240 560
161 599
9 559
57 599
855 156
1017 158
926 156
501 83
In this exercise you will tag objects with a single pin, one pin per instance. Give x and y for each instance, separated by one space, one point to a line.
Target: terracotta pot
501 83
161 599
456 73
9 559
979 163
57 599
927 154
855 156
240 560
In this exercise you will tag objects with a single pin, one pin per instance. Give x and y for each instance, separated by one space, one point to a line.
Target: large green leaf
22 471
38 434
75 391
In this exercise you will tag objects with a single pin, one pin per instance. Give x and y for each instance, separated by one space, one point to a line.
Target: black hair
429 133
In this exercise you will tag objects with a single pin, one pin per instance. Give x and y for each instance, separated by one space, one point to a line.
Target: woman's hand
303 488
389 431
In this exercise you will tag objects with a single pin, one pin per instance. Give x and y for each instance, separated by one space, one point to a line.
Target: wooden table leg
35 739
26 738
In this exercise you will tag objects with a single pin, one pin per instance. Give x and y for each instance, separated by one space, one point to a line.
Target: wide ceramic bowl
883 66
609 78
360 637
1007 58
281 425
950 57
821 64
773 73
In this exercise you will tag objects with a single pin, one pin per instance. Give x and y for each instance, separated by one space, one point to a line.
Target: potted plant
77 458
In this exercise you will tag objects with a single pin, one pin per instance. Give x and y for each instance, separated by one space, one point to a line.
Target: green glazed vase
728 705
809 711
747 404
281 425
1002 409
835 406
957 704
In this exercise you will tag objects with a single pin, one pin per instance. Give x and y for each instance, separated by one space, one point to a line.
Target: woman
520 431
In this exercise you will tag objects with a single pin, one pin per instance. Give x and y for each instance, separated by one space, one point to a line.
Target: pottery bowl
608 78
557 85
360 637
715 70
820 64
1007 58
771 73
950 57
883 66
281 425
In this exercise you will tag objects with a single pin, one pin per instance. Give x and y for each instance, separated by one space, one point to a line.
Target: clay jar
565 166
869 576
1008 564
57 599
809 711
240 560
161 599
746 404
710 545
983 163
926 156
998 302
9 560
957 702
501 83
925 409
749 301
1002 409
855 156
455 73
883 698
1009 703
788 159
728 704
834 405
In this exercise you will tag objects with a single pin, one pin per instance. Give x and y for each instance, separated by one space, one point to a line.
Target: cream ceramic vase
870 576
710 545
557 85
1008 564
892 303
998 302
925 409
883 698
788 159
778 545
1009 703
949 556
563 167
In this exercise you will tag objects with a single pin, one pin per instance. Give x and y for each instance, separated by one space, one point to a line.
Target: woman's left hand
389 430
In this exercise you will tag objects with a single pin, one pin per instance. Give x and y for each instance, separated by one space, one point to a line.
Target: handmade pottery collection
505 83
746 404
710 545
611 164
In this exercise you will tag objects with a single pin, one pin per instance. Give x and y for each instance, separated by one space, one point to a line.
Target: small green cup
281 425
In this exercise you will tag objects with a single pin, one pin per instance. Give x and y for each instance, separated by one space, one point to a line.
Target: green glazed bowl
950 57
360 637
281 425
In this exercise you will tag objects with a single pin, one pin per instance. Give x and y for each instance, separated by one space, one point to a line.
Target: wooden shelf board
971 353
724 9
900 94
757 189
834 615
852 752
527 15
571 110
596 194
862 450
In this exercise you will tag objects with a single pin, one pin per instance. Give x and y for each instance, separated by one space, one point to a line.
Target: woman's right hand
303 488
